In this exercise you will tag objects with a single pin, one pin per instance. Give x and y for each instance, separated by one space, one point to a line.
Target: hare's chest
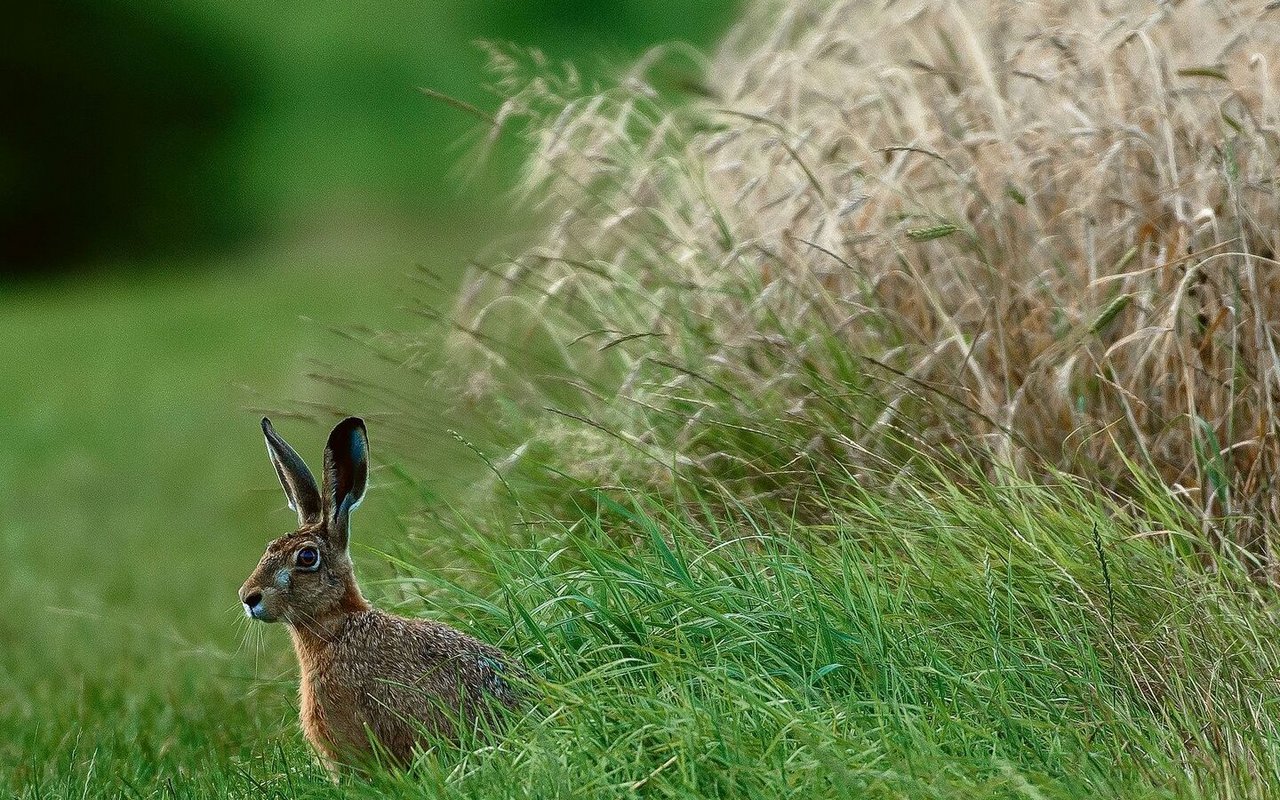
331 717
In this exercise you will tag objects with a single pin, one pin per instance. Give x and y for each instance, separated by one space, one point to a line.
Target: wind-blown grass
906 409
1000 640
1040 235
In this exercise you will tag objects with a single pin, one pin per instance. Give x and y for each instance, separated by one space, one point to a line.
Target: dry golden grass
1039 234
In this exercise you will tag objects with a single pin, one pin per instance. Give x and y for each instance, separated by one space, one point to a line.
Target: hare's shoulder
376 637
376 630
419 652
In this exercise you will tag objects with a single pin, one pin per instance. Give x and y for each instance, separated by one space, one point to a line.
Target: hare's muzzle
253 607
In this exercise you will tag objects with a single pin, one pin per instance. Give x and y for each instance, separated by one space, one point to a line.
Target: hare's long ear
299 485
346 474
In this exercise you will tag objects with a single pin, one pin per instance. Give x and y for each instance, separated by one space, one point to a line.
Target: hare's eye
308 558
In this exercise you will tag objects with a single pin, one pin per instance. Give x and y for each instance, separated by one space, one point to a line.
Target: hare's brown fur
396 676
369 680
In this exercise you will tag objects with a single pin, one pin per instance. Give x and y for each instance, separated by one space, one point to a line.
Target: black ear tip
350 434
350 424
266 425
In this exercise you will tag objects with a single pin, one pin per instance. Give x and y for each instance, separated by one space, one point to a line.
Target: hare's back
418 659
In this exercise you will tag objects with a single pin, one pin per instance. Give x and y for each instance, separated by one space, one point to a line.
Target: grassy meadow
146 498
895 420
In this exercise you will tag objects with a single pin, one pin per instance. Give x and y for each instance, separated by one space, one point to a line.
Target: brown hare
370 681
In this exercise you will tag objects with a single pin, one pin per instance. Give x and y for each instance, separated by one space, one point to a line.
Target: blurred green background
196 199
152 129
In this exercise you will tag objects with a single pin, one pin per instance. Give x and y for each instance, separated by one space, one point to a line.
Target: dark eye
307 558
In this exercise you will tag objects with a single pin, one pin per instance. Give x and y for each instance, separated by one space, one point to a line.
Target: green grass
138 497
1004 640
1009 640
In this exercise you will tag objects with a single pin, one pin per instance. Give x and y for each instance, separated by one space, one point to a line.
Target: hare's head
306 576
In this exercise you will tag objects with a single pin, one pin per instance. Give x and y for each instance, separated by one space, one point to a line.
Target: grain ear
299 484
346 474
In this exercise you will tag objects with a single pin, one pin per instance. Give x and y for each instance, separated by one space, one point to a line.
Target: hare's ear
299 485
346 473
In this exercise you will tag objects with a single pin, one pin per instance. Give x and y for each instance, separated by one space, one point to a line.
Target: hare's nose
252 598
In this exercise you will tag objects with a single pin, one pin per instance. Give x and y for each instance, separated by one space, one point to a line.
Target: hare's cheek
284 579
